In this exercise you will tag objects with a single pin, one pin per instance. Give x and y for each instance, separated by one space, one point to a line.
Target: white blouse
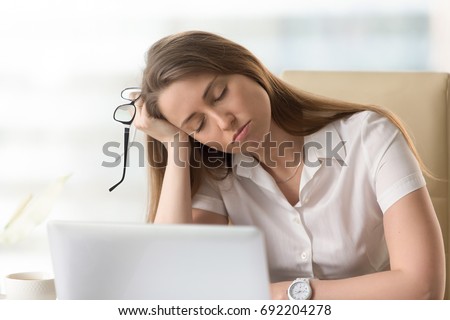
355 169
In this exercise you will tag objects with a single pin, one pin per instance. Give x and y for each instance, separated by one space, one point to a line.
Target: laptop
140 261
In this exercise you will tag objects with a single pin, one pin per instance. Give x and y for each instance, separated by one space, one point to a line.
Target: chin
243 147
217 146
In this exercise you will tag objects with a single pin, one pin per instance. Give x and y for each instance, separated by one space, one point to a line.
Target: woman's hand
278 290
158 129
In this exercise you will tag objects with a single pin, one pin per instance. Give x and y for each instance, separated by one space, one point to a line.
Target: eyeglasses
125 114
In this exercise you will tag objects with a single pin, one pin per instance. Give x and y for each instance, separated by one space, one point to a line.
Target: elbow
435 292
426 281
430 294
435 288
429 288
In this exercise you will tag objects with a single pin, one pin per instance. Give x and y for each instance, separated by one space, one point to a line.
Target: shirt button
304 256
297 220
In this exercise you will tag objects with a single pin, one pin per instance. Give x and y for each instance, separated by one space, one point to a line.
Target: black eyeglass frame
127 125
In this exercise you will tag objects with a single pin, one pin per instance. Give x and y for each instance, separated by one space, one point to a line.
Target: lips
241 133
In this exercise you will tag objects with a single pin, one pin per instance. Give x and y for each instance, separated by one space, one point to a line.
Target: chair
420 99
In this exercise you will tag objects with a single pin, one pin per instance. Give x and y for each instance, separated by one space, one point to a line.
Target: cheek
265 104
261 110
257 101
265 110
213 142
216 146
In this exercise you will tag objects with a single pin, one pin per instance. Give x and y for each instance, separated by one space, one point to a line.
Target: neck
280 153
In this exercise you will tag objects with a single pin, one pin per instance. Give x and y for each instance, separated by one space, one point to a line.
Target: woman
336 187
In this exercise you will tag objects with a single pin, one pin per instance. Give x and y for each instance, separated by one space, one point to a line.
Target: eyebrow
205 94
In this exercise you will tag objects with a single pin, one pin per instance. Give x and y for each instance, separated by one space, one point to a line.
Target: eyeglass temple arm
125 156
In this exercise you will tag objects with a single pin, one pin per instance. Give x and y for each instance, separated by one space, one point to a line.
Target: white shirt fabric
336 229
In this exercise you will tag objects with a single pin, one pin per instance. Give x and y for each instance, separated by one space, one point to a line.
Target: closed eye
222 95
202 124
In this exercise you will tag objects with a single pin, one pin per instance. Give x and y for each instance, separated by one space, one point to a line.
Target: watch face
300 291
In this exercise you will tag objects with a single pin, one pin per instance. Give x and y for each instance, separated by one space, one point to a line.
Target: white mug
30 286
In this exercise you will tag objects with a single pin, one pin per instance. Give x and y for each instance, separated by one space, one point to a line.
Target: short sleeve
208 198
393 167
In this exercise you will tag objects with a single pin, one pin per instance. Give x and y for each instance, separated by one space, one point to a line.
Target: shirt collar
243 164
325 144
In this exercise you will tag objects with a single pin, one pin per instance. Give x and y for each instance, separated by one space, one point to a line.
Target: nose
224 120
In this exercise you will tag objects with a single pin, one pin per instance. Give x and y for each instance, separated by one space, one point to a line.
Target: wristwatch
300 289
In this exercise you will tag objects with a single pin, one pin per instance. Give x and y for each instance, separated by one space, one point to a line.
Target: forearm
175 201
388 285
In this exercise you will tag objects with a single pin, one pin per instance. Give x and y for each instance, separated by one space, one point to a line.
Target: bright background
64 63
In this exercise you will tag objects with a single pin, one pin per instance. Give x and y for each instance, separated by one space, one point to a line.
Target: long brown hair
180 55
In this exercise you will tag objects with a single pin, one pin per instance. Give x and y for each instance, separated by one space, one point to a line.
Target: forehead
183 93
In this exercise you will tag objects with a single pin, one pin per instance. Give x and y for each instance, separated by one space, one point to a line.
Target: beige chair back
421 100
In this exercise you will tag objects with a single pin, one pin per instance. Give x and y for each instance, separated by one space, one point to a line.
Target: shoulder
361 120
366 127
368 135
